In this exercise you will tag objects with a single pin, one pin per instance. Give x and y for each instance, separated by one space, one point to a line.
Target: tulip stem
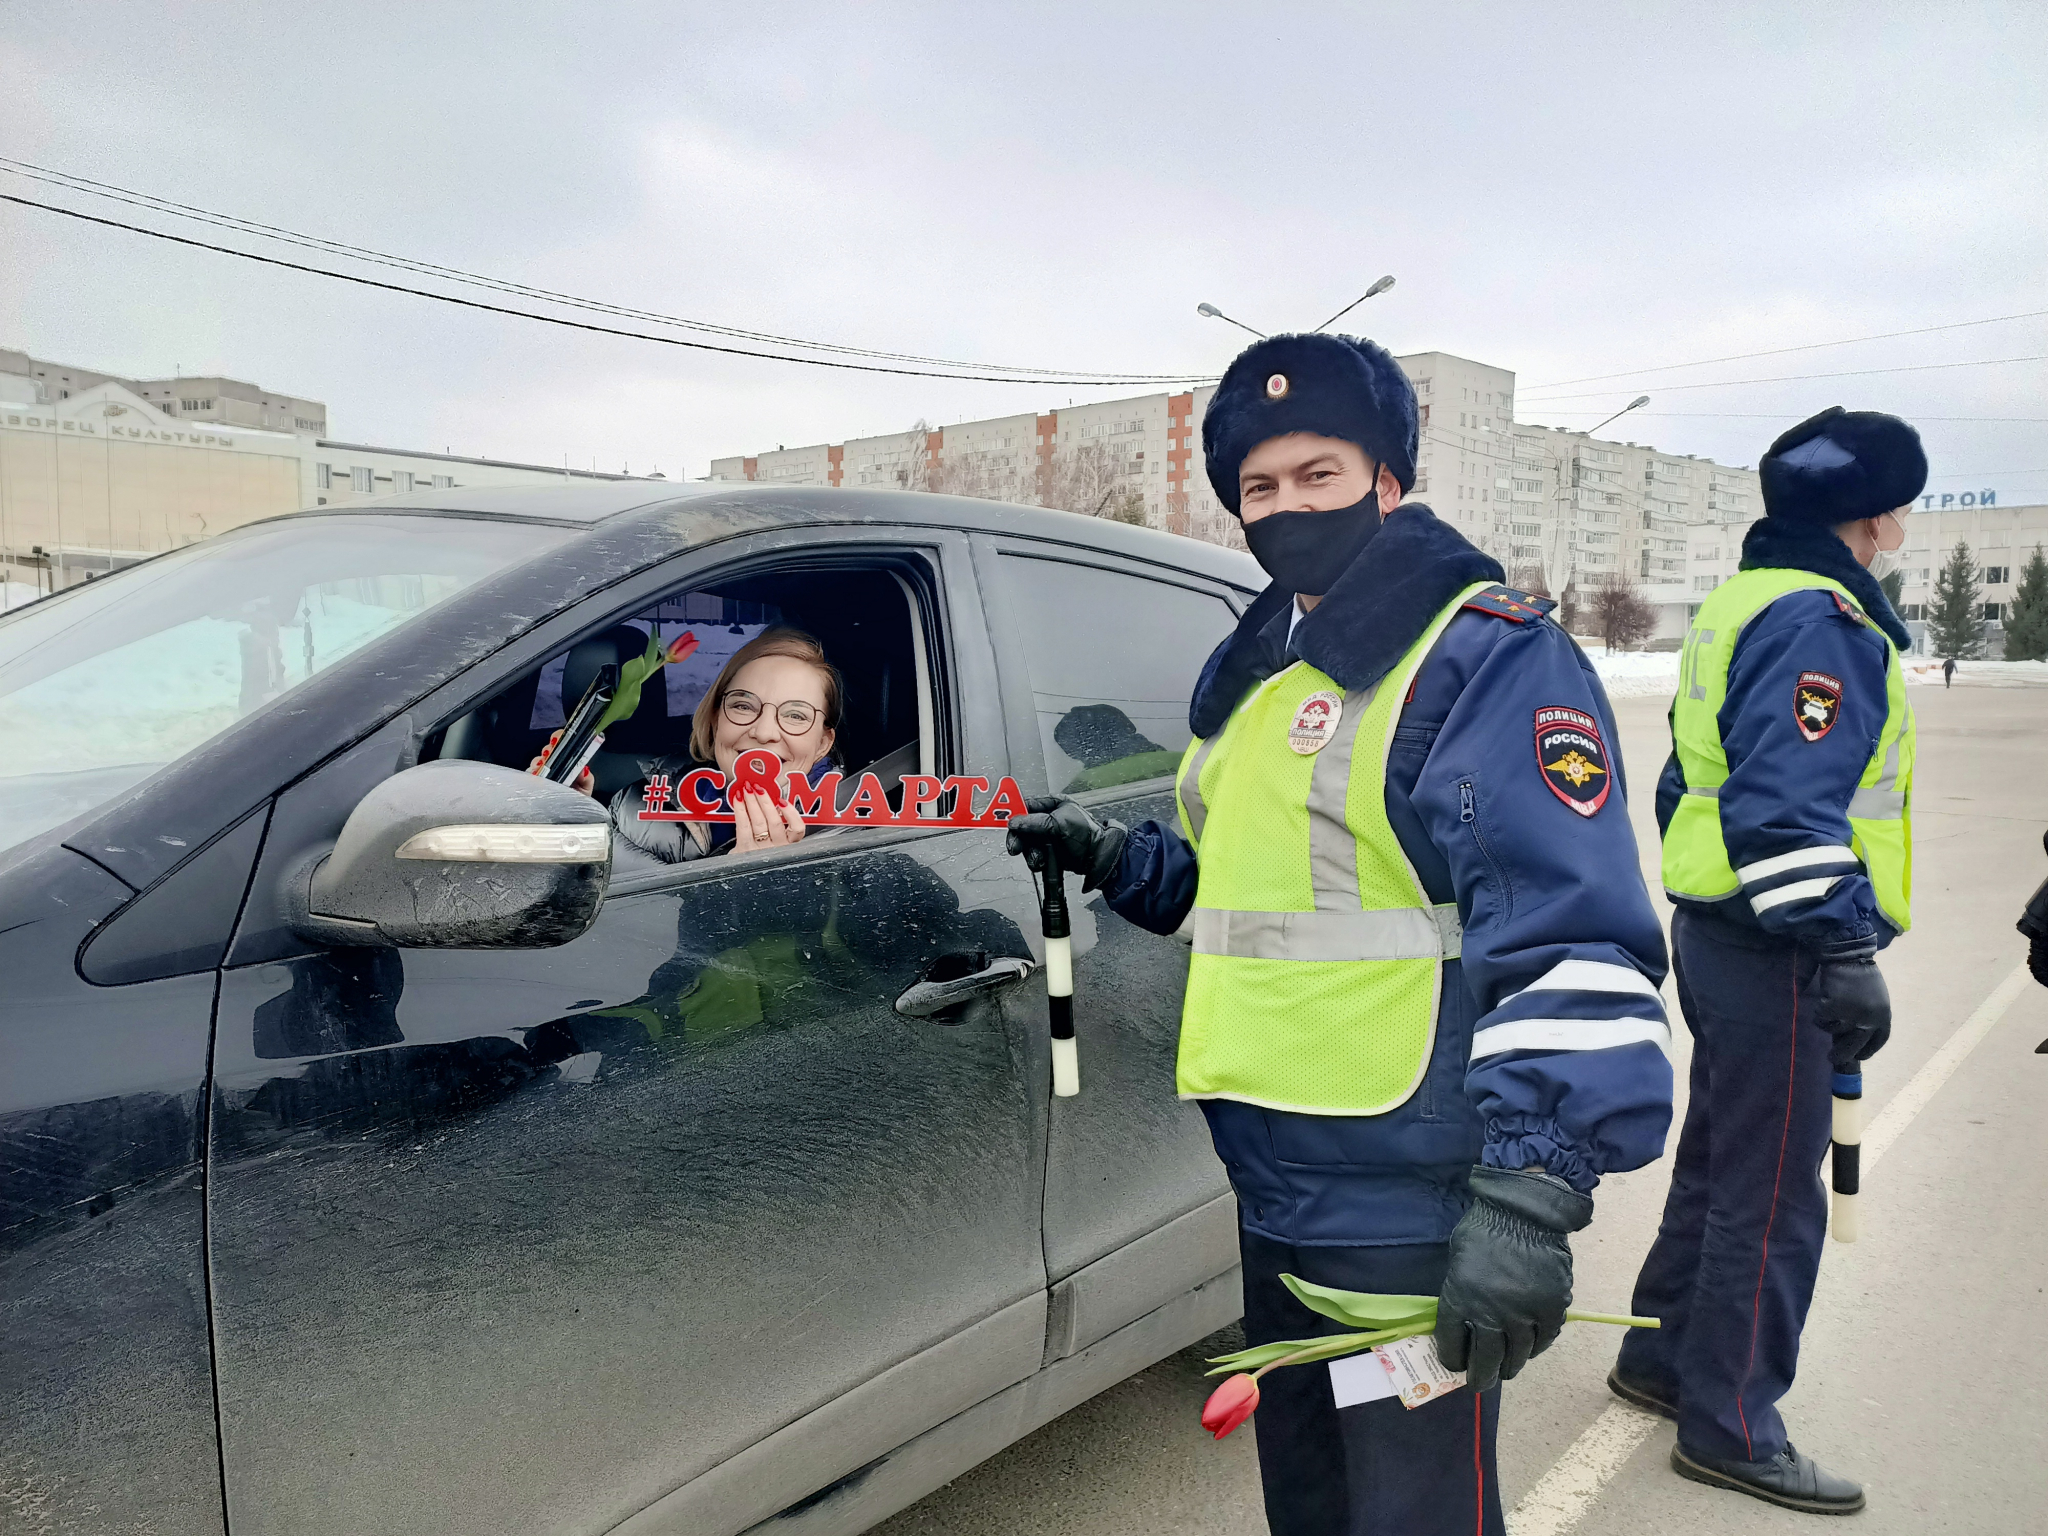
1618 1319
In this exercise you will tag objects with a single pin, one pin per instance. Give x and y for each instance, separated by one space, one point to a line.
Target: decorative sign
700 796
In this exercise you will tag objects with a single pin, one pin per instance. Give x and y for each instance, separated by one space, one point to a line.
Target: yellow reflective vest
1696 863
1317 955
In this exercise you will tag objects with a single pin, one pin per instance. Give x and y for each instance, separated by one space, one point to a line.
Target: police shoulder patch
1572 757
1507 603
1851 611
1816 703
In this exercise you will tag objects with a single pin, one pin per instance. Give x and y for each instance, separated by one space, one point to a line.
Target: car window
105 683
1113 660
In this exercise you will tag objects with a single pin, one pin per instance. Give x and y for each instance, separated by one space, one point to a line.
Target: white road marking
1941 1066
1562 1496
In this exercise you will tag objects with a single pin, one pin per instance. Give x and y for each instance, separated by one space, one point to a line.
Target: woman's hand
760 824
586 781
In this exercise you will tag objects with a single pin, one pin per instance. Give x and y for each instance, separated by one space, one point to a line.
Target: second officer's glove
1852 1003
1510 1278
1084 845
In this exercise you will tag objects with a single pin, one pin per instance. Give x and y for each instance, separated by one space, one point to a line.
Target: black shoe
1789 1480
1629 1392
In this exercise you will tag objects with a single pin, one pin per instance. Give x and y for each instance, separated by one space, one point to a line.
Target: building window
1994 611
401 479
362 481
309 424
197 405
1912 611
323 476
1997 575
444 482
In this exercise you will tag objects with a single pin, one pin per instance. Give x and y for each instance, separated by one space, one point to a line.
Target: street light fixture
1211 312
1379 287
1639 400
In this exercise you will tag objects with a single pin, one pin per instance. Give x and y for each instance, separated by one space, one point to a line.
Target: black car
589 1195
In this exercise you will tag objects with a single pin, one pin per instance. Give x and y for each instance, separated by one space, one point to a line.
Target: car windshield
107 682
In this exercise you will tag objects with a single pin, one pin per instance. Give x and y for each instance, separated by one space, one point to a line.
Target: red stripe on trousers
1757 1302
1478 1471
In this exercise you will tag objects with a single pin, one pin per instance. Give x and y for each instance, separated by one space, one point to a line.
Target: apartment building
95 475
1142 456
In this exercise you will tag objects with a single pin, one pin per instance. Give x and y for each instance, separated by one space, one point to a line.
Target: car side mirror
459 855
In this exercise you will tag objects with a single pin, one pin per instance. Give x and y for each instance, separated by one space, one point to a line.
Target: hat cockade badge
1277 387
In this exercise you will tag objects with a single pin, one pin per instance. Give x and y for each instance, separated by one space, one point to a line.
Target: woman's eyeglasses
794 715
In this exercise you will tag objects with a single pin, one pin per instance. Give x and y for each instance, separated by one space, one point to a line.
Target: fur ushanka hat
1842 465
1334 386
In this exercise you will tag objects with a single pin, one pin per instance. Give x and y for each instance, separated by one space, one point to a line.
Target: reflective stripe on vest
1696 862
1317 955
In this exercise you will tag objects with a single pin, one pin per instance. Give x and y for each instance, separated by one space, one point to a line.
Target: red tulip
1230 1404
685 643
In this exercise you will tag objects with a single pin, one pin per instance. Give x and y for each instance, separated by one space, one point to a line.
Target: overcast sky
1561 190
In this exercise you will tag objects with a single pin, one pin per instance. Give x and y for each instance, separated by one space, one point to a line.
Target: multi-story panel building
95 476
1142 457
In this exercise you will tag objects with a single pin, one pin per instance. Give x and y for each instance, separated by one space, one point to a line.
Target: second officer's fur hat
1842 465
1334 386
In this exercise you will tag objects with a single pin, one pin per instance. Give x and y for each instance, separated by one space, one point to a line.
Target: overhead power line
1069 380
1785 416
1793 378
234 223
1810 346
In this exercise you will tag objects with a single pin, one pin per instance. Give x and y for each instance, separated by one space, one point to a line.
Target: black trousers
1374 1469
1732 1271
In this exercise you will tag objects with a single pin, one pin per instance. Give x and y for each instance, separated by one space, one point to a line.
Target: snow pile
1634 674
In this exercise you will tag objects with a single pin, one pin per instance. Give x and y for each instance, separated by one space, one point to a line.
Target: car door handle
931 998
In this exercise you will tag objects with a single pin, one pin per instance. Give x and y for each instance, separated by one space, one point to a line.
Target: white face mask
1887 561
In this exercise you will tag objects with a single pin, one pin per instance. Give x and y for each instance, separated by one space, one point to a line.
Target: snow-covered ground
1982 674
1635 674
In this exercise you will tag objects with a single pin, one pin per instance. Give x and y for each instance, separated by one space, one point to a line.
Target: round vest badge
1315 723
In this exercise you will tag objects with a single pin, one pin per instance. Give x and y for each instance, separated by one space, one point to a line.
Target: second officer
1422 1013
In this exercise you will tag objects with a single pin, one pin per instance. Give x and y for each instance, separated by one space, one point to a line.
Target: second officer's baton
1848 1152
1059 978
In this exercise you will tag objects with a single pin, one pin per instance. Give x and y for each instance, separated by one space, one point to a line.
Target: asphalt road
1923 1365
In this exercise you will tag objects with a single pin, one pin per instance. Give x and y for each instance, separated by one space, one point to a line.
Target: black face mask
1307 551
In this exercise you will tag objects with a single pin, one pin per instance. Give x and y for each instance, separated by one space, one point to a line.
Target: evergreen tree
2026 626
1954 625
1894 588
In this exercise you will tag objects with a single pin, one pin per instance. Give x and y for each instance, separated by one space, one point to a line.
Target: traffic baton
1848 1152
1059 979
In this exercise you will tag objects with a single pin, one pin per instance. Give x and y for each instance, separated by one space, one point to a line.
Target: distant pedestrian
1948 673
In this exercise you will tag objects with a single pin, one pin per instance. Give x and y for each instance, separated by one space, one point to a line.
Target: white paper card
1417 1374
1360 1378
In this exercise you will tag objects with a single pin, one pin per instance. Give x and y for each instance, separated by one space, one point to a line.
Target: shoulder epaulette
1507 603
1852 611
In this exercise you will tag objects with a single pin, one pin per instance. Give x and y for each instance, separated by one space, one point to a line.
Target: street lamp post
1640 400
1379 287
1211 312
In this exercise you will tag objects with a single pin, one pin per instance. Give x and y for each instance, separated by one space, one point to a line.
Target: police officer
1422 1012
1786 849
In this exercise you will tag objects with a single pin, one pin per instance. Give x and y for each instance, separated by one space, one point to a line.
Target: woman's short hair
782 640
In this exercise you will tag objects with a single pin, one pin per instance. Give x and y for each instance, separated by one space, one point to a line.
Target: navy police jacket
1551 1035
1786 792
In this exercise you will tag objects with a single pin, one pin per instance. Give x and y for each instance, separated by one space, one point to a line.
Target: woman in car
780 694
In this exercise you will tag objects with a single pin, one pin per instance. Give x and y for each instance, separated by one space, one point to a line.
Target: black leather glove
1852 1003
1510 1274
2037 960
1084 845
1510 1278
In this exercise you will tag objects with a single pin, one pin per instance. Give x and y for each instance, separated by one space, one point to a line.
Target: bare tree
1621 613
1091 479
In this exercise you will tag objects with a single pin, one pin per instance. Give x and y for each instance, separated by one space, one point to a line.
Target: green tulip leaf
631 676
1361 1309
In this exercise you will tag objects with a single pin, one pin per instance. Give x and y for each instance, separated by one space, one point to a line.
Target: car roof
590 503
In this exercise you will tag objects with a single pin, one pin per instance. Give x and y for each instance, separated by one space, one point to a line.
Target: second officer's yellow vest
1317 954
1880 811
